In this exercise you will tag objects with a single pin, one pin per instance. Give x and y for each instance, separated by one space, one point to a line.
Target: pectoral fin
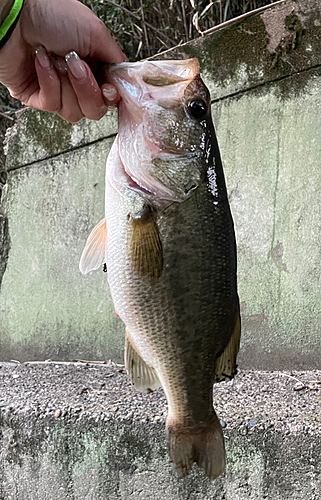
145 247
225 367
94 253
142 376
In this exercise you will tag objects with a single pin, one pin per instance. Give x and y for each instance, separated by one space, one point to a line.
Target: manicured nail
43 58
76 66
110 94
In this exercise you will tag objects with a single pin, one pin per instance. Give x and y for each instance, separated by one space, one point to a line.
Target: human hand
33 65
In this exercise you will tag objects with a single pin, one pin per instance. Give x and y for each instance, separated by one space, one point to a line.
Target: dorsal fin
94 253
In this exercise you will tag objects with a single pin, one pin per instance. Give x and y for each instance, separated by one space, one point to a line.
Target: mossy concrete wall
264 74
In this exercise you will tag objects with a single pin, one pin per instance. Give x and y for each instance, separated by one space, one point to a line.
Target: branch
239 18
139 19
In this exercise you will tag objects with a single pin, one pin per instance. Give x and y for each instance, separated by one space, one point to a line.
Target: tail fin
204 445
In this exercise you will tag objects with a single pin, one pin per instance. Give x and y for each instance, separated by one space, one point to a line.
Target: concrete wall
264 75
71 432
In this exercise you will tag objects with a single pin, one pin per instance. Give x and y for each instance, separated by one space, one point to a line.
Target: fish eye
197 108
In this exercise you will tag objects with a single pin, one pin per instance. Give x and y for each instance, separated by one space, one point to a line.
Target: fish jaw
126 184
149 187
156 145
139 83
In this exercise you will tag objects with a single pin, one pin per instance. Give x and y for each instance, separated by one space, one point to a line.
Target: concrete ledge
73 431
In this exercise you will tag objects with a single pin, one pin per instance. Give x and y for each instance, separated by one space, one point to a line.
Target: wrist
9 17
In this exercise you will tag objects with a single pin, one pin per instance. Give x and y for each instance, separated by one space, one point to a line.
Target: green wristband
10 19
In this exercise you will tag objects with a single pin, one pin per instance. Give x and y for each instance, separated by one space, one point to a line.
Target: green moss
221 53
292 22
297 85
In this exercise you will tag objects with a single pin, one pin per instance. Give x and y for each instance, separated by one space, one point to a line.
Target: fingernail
110 94
76 66
43 58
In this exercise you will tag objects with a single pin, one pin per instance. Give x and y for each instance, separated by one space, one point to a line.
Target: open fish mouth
157 138
157 74
144 84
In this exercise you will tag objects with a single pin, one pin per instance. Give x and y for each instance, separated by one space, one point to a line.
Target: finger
70 110
86 88
48 96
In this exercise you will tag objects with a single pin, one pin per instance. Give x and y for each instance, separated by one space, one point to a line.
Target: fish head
163 118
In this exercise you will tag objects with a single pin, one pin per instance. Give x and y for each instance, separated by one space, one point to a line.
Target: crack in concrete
275 194
4 245
276 185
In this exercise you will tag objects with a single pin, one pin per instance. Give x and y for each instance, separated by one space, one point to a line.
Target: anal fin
225 367
141 375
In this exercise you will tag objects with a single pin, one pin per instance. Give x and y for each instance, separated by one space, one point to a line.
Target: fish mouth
155 73
144 87
146 80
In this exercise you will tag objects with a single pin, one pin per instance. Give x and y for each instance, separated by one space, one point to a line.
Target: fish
169 244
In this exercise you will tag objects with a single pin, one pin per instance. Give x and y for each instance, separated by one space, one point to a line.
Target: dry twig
161 33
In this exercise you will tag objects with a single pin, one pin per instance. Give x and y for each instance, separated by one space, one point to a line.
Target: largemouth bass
168 241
